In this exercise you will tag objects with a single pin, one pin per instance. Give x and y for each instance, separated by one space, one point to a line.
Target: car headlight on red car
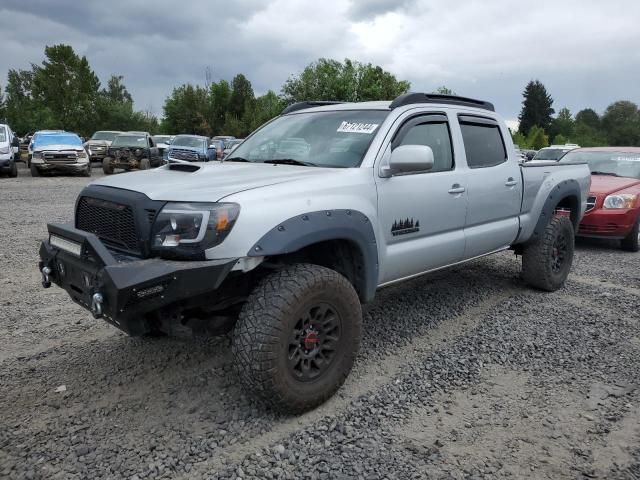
186 230
622 200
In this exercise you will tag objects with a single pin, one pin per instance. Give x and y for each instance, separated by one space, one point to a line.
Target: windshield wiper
605 173
290 161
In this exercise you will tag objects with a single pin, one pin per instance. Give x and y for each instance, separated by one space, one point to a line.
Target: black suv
131 151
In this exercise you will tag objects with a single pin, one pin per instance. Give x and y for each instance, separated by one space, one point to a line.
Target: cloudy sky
587 52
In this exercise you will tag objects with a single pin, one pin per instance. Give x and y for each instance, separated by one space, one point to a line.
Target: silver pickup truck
286 239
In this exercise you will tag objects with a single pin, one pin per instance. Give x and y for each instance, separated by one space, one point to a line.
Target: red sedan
613 207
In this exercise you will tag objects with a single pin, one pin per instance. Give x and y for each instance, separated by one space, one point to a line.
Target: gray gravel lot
465 373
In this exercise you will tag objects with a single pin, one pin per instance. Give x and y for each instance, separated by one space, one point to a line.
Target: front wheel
34 171
297 337
547 261
145 164
13 173
631 243
107 168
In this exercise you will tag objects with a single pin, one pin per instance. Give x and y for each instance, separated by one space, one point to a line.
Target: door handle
510 182
456 188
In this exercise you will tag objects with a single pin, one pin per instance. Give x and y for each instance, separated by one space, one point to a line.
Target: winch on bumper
122 290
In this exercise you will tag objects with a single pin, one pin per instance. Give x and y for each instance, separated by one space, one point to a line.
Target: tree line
64 92
619 125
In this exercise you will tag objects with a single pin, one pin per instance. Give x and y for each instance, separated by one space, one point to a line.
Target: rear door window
483 142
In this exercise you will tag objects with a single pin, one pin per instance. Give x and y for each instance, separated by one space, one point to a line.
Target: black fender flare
564 189
309 228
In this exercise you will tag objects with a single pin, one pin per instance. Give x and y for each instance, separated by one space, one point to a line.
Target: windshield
3 134
193 142
620 164
324 139
57 139
162 138
551 154
130 141
109 136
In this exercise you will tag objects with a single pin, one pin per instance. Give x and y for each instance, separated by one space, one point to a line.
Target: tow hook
46 279
96 305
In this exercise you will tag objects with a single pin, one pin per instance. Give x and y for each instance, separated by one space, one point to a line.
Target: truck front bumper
75 167
120 289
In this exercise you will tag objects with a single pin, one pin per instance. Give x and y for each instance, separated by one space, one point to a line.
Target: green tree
219 94
350 81
242 96
588 129
588 117
443 90
67 87
537 107
537 139
621 123
562 126
23 112
520 140
185 111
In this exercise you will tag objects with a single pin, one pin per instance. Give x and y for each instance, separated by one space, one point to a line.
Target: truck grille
591 203
113 223
60 157
180 154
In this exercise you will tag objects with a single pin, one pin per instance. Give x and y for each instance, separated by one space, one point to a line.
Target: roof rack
302 105
414 97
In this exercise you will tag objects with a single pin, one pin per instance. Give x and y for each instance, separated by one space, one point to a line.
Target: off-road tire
34 171
631 243
107 168
538 258
144 164
13 172
262 335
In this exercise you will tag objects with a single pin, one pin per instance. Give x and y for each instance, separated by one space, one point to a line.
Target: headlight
623 200
37 155
188 229
82 154
4 150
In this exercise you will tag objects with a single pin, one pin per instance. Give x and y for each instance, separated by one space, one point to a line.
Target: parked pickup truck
285 250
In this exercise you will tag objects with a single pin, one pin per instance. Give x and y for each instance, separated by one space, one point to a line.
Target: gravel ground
465 373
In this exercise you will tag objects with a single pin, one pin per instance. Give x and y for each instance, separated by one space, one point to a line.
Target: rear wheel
297 337
631 243
34 171
107 168
13 172
546 262
145 164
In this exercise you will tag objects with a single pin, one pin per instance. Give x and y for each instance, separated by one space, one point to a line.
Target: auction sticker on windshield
349 127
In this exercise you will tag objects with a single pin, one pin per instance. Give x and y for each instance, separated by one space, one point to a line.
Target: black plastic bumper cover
130 287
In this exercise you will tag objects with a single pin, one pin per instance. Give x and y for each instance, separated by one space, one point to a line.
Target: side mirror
408 159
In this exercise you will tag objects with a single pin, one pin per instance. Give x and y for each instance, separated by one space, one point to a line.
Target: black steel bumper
122 290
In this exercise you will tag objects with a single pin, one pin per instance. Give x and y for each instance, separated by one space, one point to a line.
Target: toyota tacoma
282 246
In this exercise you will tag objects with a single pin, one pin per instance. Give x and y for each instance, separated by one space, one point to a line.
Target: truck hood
106 143
58 148
607 184
180 147
211 182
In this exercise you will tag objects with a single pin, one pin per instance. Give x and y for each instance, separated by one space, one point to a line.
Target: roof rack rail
414 97
294 107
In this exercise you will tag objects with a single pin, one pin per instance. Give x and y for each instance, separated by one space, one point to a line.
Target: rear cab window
483 142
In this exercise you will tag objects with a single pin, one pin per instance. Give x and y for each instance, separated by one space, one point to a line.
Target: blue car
190 148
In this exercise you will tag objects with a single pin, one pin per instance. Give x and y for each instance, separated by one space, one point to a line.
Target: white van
9 145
